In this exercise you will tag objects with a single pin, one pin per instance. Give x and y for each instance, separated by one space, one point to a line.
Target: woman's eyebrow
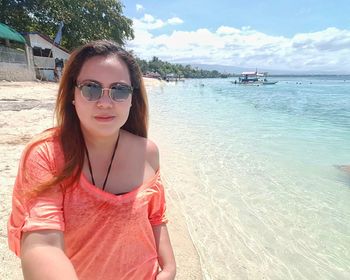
120 83
100 84
90 80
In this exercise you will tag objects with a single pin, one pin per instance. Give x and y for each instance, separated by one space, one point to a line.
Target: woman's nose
105 98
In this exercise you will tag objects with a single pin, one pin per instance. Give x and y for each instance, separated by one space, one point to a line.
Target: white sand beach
26 110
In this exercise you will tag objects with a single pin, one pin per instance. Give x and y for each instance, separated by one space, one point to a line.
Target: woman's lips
104 118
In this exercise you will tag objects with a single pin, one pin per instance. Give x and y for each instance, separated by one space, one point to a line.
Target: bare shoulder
144 146
153 154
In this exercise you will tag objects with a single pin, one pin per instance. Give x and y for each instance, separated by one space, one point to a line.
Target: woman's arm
43 257
166 257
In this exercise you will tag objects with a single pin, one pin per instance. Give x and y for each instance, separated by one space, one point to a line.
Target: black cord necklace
109 167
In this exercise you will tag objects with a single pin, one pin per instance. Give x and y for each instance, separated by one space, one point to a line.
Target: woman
88 201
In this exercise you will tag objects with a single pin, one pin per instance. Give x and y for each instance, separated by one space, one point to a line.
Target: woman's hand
165 275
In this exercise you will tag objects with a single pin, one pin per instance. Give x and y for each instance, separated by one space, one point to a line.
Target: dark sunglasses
93 91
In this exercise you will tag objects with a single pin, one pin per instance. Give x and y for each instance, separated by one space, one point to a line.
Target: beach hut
153 75
16 62
172 77
49 58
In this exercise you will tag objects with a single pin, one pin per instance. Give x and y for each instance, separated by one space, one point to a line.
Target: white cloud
175 20
148 18
323 50
149 22
139 7
222 30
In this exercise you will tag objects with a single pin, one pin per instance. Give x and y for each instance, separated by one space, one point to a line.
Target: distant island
157 68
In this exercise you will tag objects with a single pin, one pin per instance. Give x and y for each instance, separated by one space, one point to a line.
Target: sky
293 35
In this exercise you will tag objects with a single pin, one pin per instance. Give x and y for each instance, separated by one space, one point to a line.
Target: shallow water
255 169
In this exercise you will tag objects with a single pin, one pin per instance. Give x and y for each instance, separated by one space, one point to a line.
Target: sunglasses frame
109 89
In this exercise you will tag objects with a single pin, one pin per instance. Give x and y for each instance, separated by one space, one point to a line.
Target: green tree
164 68
143 65
84 20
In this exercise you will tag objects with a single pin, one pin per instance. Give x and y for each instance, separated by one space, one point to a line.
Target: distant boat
263 78
254 79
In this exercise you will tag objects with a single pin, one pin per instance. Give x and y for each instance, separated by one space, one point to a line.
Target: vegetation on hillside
180 71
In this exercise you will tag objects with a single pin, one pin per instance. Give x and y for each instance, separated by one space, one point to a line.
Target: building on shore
16 59
172 77
153 75
29 56
49 58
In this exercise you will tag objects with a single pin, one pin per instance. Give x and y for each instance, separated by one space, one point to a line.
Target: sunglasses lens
91 92
120 92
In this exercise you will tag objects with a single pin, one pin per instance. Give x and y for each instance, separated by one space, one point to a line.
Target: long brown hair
68 125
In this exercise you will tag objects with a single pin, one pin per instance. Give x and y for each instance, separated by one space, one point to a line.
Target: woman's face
103 117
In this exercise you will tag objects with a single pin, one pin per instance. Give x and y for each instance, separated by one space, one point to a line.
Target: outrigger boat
254 78
263 78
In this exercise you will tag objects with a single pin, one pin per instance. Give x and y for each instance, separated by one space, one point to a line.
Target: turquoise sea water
254 168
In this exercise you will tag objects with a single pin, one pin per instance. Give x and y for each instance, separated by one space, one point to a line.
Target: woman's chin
101 132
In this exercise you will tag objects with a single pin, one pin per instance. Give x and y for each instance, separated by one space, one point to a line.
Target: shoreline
26 110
